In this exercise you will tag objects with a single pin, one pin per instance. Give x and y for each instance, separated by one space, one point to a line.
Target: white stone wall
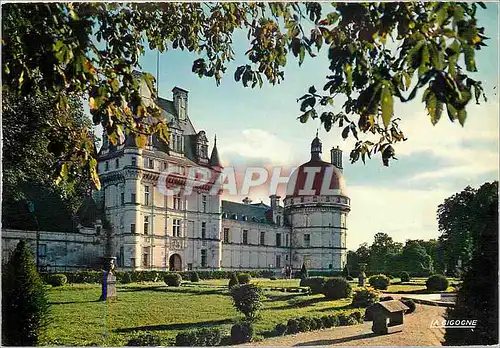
236 255
59 251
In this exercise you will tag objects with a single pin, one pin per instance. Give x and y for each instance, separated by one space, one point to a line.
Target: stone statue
109 280
362 275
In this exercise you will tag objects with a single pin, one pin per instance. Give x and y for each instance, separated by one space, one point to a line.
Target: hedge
95 276
304 324
205 337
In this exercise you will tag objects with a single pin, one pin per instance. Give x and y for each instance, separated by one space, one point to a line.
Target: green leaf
470 63
431 104
302 54
345 132
312 90
387 104
141 140
305 116
407 79
462 115
452 112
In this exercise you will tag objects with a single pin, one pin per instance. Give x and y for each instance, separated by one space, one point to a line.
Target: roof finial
215 140
317 130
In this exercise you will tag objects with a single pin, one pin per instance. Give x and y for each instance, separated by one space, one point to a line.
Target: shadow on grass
330 309
421 291
165 289
177 326
301 304
270 298
336 340
73 302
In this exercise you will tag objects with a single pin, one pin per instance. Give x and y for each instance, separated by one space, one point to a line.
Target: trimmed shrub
292 326
247 299
186 338
126 279
57 279
280 329
304 324
335 320
326 321
195 278
241 332
145 338
273 278
357 315
437 282
379 281
405 277
386 298
349 278
314 283
390 276
233 281
25 306
319 323
336 288
173 279
365 297
410 304
368 314
244 278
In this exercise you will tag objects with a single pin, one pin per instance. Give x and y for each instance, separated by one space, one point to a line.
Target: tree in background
32 150
90 50
414 259
454 223
25 307
383 253
477 298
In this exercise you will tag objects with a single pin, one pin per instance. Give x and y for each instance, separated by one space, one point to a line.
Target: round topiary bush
304 324
57 279
280 329
145 339
247 299
365 297
126 279
241 332
411 305
314 283
172 279
349 278
319 323
292 326
405 277
233 281
379 281
336 288
195 278
437 282
357 316
244 278
272 278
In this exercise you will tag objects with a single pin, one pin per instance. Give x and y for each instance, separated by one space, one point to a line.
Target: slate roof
253 213
391 306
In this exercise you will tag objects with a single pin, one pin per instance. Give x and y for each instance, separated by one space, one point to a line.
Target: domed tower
317 208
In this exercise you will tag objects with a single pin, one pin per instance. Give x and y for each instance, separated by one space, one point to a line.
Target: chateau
199 230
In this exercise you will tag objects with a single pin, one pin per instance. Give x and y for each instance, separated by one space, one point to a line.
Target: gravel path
417 332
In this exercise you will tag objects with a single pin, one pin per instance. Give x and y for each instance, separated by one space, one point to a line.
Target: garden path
417 332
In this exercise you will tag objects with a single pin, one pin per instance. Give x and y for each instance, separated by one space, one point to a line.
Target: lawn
264 282
78 319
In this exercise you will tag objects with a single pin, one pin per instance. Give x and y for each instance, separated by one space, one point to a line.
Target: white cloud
256 144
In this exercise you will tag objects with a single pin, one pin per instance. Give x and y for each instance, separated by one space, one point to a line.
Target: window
146 225
164 165
190 266
177 201
107 166
121 257
278 261
146 195
307 240
151 163
204 258
245 237
122 198
262 238
226 235
278 220
342 220
132 262
286 239
42 250
176 227
132 197
278 239
134 161
132 228
204 203
203 230
117 163
145 256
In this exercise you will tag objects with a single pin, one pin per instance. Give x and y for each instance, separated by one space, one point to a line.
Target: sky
259 127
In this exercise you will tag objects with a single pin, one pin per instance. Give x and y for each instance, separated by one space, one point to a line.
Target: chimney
247 200
275 201
336 155
180 102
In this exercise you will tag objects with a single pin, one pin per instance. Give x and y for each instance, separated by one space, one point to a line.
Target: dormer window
182 109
